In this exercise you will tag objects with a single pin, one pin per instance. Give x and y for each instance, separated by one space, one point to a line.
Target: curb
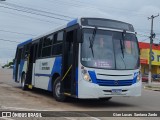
154 88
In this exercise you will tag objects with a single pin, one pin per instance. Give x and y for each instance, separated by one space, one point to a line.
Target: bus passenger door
34 62
69 63
30 61
17 62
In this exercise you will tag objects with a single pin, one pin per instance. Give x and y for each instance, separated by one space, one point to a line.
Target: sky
21 20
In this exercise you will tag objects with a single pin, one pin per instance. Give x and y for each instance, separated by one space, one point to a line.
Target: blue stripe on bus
14 71
71 23
93 76
24 43
111 82
21 68
77 82
135 77
55 69
46 75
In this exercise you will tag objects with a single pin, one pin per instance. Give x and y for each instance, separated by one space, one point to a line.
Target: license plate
116 91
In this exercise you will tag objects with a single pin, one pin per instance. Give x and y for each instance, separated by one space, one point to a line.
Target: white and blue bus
89 58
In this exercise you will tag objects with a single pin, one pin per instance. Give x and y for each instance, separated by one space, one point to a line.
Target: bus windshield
109 50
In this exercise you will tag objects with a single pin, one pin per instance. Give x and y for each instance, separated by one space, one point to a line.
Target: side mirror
79 36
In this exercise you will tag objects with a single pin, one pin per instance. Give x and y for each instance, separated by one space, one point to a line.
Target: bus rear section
21 60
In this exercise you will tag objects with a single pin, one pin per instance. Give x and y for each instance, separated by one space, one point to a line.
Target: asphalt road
13 98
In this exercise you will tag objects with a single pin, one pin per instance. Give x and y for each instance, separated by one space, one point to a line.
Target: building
144 58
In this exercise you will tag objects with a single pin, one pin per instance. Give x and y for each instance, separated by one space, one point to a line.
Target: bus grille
114 82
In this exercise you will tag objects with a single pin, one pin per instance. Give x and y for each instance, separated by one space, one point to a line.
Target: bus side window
47 45
36 51
60 37
23 53
57 44
19 55
40 47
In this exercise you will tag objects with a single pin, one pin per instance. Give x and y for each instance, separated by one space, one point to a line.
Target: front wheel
23 82
56 90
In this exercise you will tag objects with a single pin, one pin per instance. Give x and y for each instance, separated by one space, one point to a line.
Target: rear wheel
56 90
23 82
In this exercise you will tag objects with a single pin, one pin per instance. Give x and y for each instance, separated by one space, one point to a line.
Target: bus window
48 41
60 36
35 52
26 51
57 49
23 52
19 55
55 39
47 44
57 44
40 47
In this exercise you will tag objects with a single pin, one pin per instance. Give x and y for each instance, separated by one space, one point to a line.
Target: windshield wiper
122 42
91 40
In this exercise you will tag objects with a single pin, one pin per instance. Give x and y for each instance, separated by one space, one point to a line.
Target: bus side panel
44 70
55 69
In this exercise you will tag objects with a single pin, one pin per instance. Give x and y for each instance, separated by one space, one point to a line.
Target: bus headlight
138 77
86 76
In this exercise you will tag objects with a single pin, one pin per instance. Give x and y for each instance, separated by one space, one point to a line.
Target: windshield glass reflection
109 50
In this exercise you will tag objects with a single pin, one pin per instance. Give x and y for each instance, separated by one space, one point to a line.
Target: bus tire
56 90
23 82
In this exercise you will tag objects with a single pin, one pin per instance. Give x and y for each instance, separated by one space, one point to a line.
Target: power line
9 40
64 3
124 10
101 7
144 40
30 12
17 32
47 11
142 35
33 9
7 49
29 17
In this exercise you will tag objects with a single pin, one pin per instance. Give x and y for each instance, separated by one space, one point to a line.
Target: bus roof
71 23
25 42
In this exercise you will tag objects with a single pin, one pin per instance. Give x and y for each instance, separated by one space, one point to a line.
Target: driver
101 42
104 50
103 53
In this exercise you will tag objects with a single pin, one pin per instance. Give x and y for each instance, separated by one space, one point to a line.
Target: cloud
87 12
131 11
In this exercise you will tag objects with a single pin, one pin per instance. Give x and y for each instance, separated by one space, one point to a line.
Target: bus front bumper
88 90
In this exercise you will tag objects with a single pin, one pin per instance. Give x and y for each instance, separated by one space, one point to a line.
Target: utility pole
150 53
